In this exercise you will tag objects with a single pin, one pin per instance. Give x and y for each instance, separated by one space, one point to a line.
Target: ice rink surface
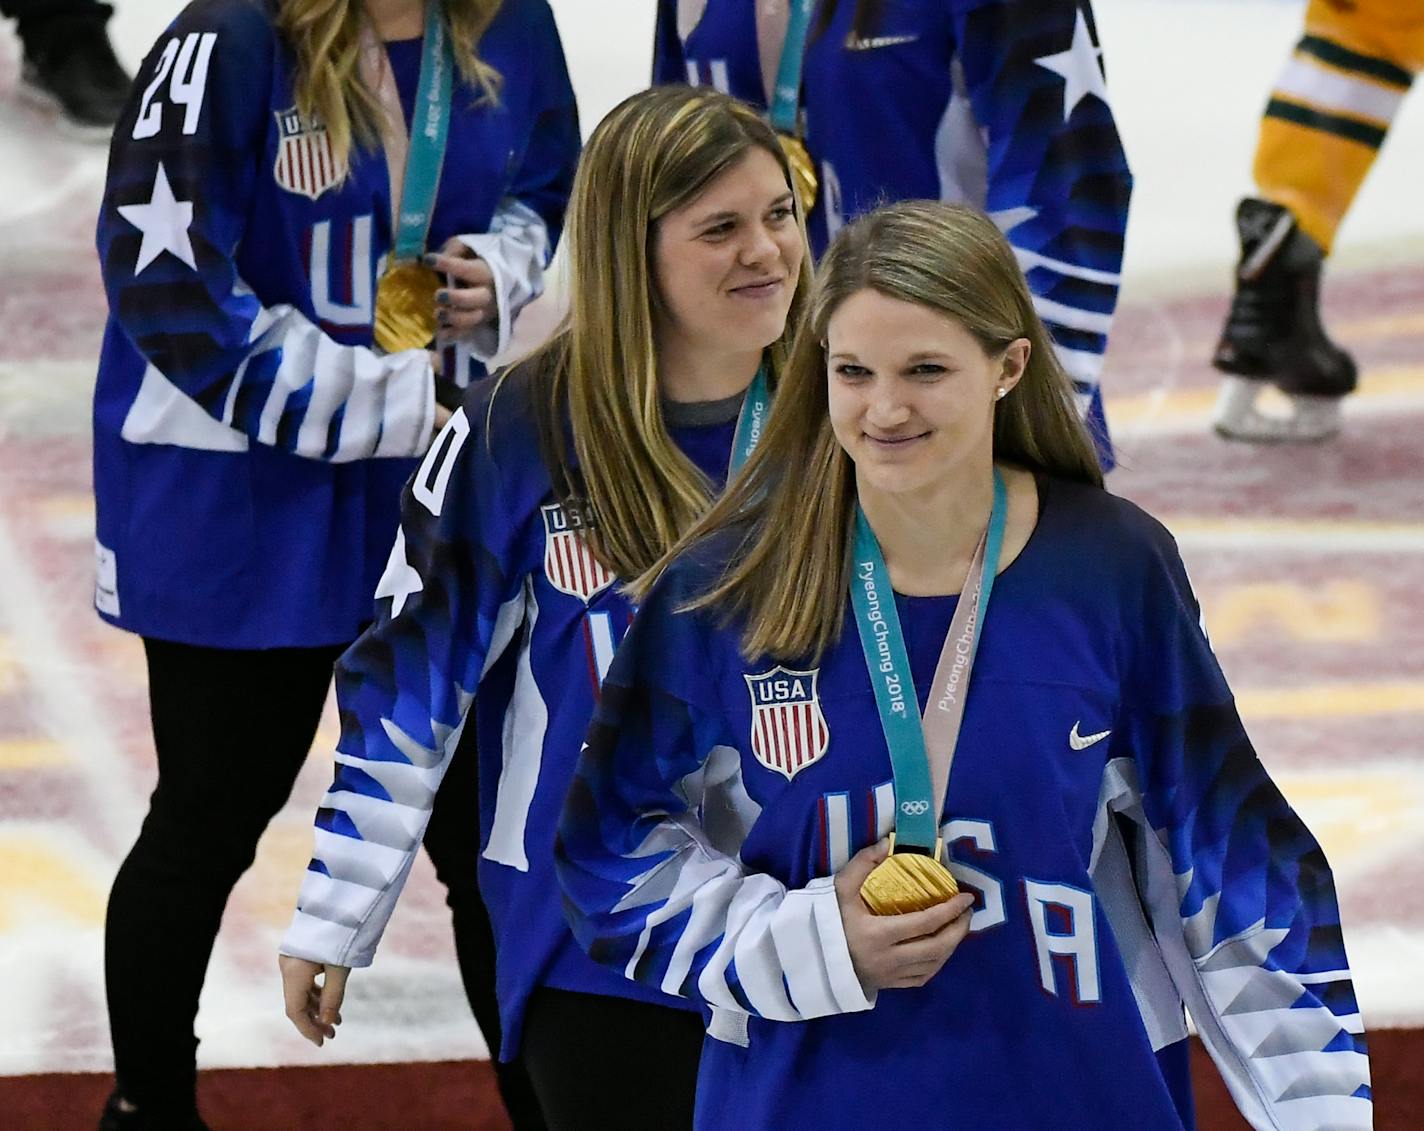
1308 561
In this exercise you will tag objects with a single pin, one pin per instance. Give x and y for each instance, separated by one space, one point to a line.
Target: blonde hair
794 501
325 36
623 475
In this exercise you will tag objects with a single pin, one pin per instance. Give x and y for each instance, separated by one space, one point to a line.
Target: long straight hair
601 429
325 36
793 503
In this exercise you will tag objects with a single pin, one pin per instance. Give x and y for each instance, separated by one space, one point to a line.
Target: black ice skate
69 66
1273 335
120 1116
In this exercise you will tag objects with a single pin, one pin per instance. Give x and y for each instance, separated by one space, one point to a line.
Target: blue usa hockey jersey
996 103
487 571
1128 853
249 443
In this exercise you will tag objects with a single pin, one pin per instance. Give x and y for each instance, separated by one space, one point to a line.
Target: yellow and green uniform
1333 104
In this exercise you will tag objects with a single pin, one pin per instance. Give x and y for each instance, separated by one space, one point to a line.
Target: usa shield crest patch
789 731
304 164
568 562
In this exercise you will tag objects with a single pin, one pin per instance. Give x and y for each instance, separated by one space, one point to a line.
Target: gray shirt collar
702 414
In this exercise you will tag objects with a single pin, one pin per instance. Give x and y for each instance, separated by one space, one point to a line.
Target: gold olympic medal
803 171
907 881
405 307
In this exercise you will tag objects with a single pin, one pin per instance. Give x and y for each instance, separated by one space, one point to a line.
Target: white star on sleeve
399 580
1079 67
164 223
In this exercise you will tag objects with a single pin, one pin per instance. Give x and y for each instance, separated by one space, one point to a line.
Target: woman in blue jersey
917 647
265 389
999 104
502 604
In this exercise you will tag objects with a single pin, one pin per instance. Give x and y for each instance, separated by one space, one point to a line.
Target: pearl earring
1000 393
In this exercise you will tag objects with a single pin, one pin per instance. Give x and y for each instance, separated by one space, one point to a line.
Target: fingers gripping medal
913 877
405 294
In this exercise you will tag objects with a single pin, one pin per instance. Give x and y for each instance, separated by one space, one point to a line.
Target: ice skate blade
1310 420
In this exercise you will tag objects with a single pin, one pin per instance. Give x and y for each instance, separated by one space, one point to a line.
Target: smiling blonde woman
917 770
503 602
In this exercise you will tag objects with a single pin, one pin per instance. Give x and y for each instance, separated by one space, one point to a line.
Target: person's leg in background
452 839
1323 127
231 729
604 1062
69 62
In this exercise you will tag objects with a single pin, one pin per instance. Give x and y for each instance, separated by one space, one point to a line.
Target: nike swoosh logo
854 44
1083 741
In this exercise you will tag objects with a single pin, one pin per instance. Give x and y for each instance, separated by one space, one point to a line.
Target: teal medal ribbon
405 293
882 640
785 107
784 110
429 131
750 422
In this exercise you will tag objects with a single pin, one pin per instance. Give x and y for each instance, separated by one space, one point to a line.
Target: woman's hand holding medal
892 952
467 301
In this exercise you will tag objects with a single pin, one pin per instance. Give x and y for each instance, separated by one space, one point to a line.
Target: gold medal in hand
803 171
405 307
907 881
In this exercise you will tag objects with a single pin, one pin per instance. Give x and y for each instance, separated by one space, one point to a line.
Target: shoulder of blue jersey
504 434
701 565
521 29
501 407
1120 528
238 19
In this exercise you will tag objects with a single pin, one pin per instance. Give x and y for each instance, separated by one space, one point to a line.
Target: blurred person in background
279 184
1000 104
68 63
1326 120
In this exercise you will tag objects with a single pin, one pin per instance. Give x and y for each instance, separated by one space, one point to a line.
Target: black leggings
452 840
606 1062
232 729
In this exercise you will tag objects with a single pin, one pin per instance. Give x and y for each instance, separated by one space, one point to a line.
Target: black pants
452 839
605 1062
232 729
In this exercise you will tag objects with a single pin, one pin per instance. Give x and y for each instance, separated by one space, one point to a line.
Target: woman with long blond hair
502 603
916 767
308 203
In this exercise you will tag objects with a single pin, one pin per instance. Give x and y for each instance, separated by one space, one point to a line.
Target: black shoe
118 1117
70 65
1273 332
